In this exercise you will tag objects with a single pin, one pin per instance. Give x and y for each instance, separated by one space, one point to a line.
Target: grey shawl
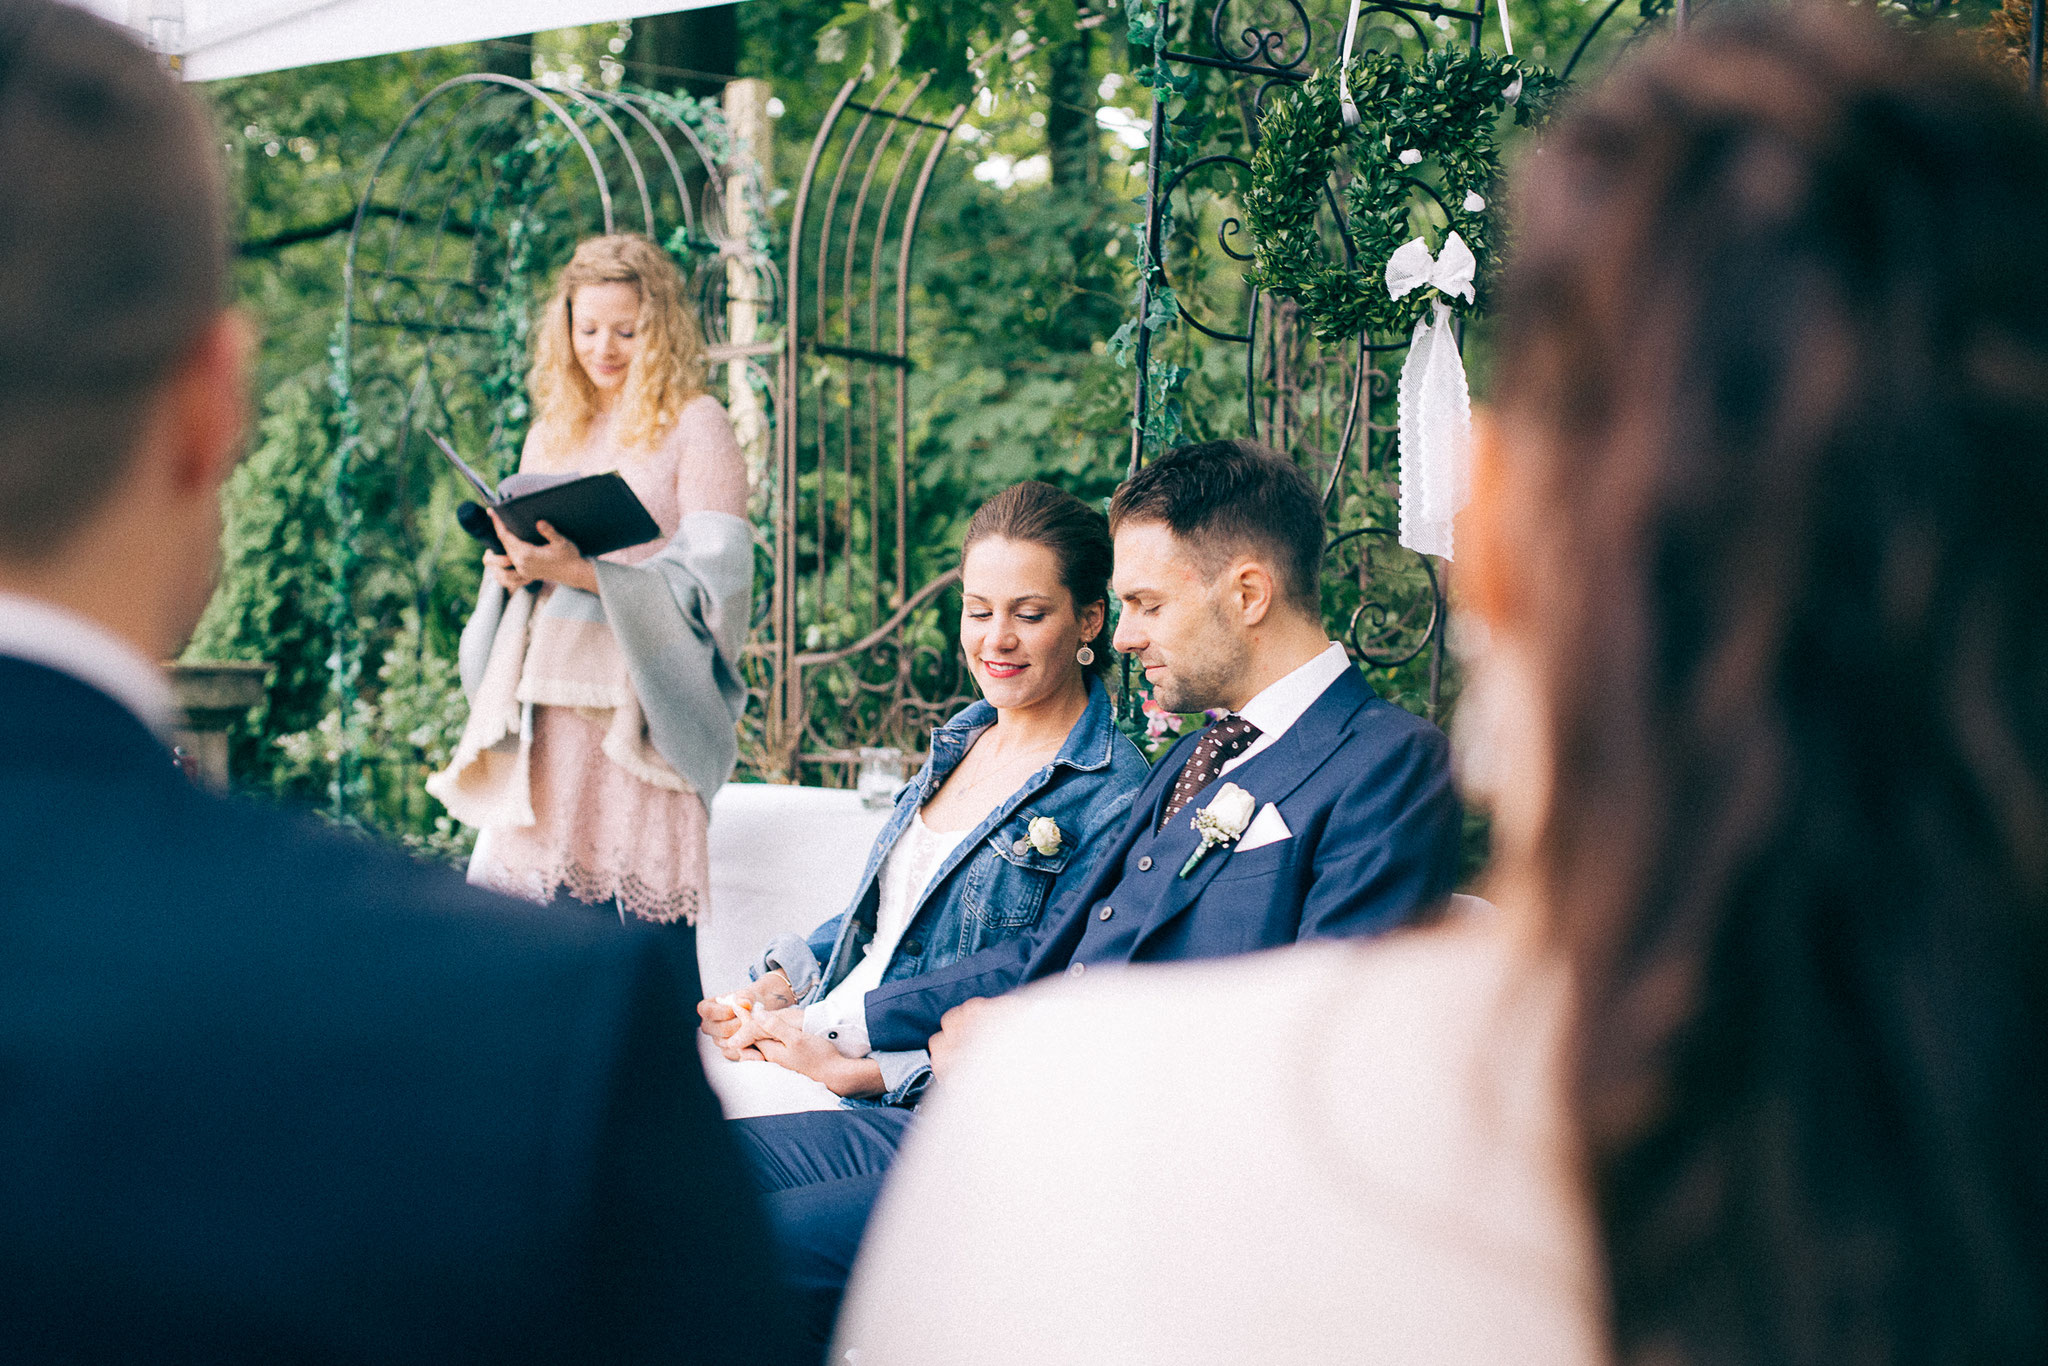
679 619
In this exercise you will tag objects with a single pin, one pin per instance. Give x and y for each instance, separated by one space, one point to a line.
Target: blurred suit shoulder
278 1093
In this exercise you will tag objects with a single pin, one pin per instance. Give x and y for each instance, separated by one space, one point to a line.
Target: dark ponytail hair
1076 534
1776 338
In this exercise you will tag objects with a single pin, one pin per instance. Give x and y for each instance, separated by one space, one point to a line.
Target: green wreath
1442 111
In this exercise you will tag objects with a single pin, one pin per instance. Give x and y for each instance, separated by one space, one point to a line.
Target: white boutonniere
1221 822
1044 834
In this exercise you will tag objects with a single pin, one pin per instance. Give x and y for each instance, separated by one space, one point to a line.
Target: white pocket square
1266 828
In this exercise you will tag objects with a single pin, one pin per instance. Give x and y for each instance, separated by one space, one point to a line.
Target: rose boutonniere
1044 834
1221 822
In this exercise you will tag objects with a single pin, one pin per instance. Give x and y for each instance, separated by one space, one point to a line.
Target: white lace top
905 874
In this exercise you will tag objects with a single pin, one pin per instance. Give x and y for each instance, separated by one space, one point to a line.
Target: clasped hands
771 1029
770 1013
555 560
762 1022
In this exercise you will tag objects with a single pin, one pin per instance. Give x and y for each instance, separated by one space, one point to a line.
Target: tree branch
314 232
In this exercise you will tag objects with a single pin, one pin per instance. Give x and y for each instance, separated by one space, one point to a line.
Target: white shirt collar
56 638
1280 704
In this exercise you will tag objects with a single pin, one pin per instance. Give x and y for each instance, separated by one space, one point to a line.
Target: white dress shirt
1280 704
841 1015
57 638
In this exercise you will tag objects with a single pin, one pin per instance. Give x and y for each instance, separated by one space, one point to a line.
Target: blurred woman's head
1034 584
616 336
1766 521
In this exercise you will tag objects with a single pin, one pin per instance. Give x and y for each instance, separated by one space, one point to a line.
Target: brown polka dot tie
1221 743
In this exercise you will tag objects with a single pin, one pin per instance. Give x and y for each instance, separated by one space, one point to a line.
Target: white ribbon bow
1411 267
1436 404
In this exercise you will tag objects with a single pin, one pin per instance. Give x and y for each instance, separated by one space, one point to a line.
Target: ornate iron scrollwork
1264 47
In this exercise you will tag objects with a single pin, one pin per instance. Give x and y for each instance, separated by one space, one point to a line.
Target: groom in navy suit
1329 812
268 1093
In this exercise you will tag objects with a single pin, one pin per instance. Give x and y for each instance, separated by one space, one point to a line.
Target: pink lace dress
602 830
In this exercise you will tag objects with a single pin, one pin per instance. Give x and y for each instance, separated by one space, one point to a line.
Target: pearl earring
1084 656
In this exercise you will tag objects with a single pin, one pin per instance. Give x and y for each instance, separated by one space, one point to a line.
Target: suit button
1077 969
1145 864
1108 911
911 947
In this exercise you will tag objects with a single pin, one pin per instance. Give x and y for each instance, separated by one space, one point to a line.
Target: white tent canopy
213 39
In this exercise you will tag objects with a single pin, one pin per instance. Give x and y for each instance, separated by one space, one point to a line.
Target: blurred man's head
1219 550
120 370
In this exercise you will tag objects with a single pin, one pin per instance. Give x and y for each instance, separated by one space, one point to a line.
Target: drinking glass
881 777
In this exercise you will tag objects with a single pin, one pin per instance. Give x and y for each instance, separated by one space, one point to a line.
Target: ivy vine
1427 135
1155 305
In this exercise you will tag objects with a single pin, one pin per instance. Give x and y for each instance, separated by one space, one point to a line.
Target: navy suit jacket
271 1094
1365 789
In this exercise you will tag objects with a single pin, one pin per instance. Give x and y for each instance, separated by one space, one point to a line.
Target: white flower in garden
1044 834
1473 203
1410 156
1513 92
1221 822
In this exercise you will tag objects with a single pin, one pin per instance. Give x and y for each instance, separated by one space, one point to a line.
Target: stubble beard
1208 679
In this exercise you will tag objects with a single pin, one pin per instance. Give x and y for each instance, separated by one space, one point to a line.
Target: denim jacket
993 885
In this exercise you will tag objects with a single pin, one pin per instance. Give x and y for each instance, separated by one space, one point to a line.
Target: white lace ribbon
1344 100
1435 402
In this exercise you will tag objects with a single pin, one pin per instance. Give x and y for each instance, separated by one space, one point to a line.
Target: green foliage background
1026 275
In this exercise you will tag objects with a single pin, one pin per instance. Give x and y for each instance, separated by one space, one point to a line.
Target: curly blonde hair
667 369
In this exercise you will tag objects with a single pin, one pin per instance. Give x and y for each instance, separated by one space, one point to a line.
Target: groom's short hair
1221 499
113 259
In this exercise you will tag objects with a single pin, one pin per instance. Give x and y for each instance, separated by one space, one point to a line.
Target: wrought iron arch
856 653
476 197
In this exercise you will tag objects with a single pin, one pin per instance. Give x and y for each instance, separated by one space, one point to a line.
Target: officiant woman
603 692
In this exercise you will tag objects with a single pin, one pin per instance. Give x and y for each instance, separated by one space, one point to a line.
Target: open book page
519 485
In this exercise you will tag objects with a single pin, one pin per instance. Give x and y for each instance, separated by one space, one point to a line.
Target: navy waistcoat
1140 897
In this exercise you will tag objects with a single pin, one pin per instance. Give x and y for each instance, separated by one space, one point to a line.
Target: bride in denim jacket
1008 810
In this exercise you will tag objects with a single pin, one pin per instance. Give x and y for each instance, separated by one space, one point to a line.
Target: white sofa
785 859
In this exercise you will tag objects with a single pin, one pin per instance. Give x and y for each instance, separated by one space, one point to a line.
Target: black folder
598 513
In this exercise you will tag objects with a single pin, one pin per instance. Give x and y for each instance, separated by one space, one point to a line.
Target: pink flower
1159 721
